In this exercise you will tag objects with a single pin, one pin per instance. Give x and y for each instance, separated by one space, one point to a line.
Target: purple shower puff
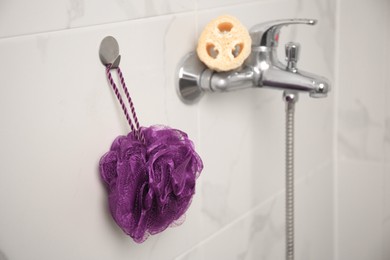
150 186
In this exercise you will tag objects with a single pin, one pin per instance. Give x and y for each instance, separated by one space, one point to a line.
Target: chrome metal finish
109 52
230 81
267 34
292 50
290 100
261 69
190 76
290 97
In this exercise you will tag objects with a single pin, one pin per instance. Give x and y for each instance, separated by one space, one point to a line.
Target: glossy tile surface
259 233
363 132
18 17
61 116
58 116
360 212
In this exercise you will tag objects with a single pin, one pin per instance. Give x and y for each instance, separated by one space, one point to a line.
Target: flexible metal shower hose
290 180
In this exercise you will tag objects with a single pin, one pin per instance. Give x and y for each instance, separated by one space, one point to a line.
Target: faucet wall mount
261 69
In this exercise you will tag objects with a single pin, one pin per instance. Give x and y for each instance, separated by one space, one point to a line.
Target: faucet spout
316 86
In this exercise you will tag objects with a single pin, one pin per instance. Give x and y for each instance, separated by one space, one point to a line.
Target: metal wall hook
109 52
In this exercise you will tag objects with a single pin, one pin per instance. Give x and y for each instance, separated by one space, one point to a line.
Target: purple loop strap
137 126
136 129
118 95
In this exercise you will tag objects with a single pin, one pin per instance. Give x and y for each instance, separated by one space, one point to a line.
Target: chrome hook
109 52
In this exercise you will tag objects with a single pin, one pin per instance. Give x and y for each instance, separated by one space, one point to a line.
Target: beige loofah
224 44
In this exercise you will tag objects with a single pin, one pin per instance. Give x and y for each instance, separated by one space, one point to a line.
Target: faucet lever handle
267 34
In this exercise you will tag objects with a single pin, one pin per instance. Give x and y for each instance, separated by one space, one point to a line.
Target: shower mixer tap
261 69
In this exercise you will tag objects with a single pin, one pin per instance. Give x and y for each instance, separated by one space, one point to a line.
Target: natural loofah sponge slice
224 44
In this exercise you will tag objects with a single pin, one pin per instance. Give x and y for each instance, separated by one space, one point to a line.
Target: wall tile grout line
335 132
92 25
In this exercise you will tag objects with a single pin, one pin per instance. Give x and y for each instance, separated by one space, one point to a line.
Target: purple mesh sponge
150 184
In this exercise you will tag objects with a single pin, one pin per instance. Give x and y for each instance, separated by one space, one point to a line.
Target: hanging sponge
224 44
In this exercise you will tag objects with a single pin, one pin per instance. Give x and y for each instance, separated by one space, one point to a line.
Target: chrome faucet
261 69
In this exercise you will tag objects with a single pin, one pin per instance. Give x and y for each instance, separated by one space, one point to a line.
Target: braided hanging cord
135 128
132 109
119 97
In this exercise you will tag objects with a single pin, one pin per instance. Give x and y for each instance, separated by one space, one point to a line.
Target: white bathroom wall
363 119
59 116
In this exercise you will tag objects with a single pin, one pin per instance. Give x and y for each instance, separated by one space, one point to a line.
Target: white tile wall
58 116
360 210
363 131
386 193
362 104
259 234
18 17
